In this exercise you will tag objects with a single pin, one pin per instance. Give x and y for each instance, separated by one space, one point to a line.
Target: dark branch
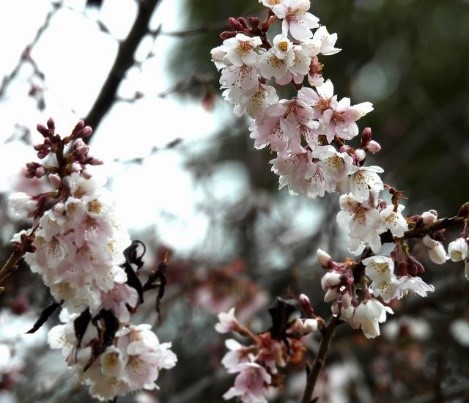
124 60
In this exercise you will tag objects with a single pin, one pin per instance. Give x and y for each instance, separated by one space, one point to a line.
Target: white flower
112 362
362 222
321 42
413 285
241 50
436 250
363 182
296 19
385 289
239 81
132 363
394 220
368 315
227 321
379 268
457 250
21 205
270 65
255 105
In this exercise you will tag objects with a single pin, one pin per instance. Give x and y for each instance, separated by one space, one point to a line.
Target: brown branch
19 250
422 230
124 60
313 374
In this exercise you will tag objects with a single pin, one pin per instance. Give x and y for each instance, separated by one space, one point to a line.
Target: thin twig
313 374
26 54
19 250
124 60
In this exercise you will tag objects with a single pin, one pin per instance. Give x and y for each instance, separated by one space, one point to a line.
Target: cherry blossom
238 51
295 18
411 285
251 383
337 117
363 183
227 321
458 249
368 315
362 222
322 42
385 284
131 363
255 105
237 354
394 220
436 250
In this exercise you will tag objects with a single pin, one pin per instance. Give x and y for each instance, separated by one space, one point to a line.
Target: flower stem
10 266
313 373
19 250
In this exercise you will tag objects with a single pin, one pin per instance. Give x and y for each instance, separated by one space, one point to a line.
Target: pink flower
251 383
337 117
237 355
227 322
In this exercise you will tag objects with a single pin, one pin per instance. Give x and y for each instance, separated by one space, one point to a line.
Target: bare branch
124 60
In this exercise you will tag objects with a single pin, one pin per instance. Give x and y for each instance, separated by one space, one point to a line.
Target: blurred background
187 179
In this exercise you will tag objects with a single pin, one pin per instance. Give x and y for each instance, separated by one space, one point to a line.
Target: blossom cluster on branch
86 258
309 133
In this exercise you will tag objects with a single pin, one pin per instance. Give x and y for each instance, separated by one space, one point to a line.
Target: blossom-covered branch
84 255
309 135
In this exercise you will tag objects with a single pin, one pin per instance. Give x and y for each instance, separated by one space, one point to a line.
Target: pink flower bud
360 154
235 24
373 147
366 136
429 217
55 180
306 305
51 124
254 21
227 34
324 259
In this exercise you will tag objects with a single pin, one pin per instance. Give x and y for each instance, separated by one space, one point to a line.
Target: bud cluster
257 364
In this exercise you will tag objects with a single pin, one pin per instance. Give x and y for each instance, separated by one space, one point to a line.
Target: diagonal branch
124 60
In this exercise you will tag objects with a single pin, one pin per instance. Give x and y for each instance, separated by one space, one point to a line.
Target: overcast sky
75 57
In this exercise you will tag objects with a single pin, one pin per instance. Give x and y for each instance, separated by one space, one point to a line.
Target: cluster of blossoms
257 364
308 133
131 362
86 258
